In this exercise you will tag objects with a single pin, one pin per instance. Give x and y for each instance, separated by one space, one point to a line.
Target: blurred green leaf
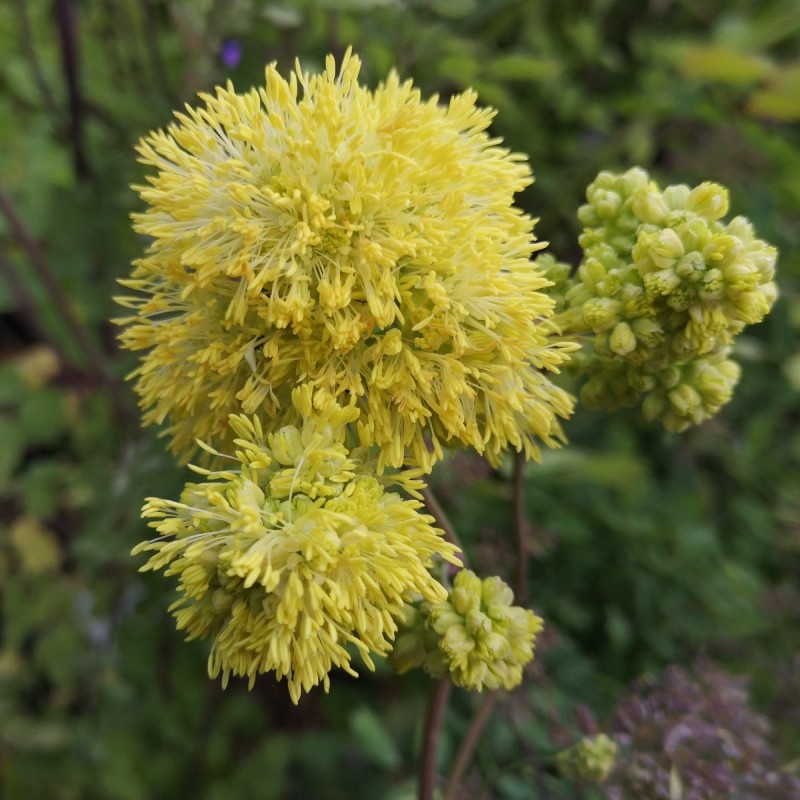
374 738
780 99
42 416
521 67
13 446
716 63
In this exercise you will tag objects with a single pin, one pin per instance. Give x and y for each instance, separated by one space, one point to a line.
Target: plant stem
520 531
469 743
66 19
434 716
438 513
26 308
91 352
28 44
153 44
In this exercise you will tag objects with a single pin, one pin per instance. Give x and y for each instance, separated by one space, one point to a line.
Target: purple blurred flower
695 731
231 52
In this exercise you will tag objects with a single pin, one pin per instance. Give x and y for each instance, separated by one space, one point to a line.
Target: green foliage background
646 548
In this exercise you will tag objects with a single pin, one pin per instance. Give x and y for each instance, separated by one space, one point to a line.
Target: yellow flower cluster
476 637
295 552
663 289
360 242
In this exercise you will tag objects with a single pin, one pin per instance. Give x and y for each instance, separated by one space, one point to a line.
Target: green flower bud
588 761
654 405
556 271
591 272
635 302
622 340
710 200
677 196
606 202
649 206
496 594
601 313
601 346
714 380
695 233
635 178
669 377
663 248
640 381
466 593
588 216
648 331
484 640
685 400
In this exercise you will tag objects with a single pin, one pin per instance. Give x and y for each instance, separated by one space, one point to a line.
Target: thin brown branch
153 45
56 295
26 308
434 717
28 44
66 18
438 513
469 743
520 530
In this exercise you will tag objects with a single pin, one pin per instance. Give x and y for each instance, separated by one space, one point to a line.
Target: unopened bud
710 200
622 340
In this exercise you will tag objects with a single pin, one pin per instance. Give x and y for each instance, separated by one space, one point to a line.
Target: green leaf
521 67
12 385
42 416
374 738
721 64
354 5
13 441
780 100
454 9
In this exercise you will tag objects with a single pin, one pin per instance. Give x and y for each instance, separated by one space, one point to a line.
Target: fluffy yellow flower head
295 552
361 242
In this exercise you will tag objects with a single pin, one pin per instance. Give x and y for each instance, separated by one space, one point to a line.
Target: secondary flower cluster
361 242
295 552
475 637
664 287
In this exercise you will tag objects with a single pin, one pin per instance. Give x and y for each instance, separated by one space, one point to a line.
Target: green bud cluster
663 289
477 638
588 761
